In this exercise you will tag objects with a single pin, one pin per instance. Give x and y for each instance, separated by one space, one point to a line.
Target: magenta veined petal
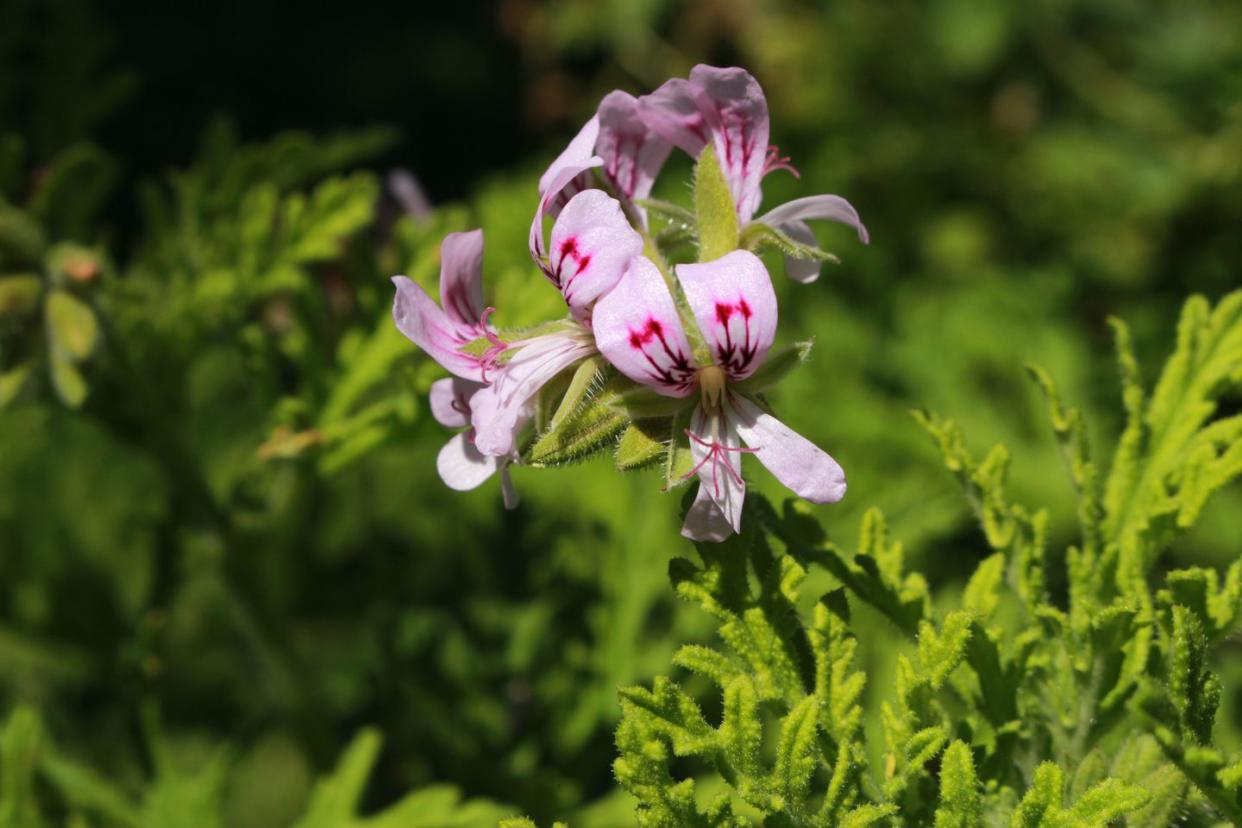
591 246
741 131
461 278
462 466
723 107
633 154
426 325
638 330
450 401
717 452
803 467
677 112
735 306
499 411
554 194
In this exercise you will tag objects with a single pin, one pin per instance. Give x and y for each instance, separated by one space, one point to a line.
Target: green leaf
1041 803
68 381
19 294
12 381
714 209
1170 459
72 325
960 804
21 745
941 652
1193 688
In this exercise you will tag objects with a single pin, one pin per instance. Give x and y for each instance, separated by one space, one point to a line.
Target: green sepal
672 213
641 403
678 460
757 236
72 325
587 377
714 208
642 444
775 368
19 294
590 428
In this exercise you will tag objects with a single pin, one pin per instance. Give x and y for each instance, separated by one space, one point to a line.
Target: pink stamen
716 452
489 359
775 161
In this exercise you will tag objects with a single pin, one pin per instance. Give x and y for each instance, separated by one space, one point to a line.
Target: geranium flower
461 465
616 140
726 108
591 247
450 332
639 330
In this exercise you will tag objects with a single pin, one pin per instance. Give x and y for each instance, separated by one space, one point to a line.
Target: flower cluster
684 345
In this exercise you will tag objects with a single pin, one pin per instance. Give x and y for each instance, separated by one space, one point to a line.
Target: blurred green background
223 545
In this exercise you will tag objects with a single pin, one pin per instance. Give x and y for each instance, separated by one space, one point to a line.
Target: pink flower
445 331
591 247
461 465
726 108
615 139
639 330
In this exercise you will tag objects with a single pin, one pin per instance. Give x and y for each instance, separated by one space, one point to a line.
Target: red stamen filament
775 161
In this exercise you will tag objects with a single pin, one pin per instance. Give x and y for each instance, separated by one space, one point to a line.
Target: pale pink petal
498 411
592 244
507 491
794 460
461 279
462 466
678 113
831 207
552 195
804 271
423 322
633 154
580 149
704 520
739 130
450 401
717 453
638 330
735 306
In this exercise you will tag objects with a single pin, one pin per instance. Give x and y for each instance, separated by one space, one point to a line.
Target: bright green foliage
190 791
1173 455
959 789
982 696
1042 806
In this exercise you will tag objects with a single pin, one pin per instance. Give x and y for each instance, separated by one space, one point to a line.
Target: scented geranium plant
665 361
1061 688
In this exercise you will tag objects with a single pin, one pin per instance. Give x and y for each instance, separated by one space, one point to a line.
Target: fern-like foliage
1024 704
191 793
